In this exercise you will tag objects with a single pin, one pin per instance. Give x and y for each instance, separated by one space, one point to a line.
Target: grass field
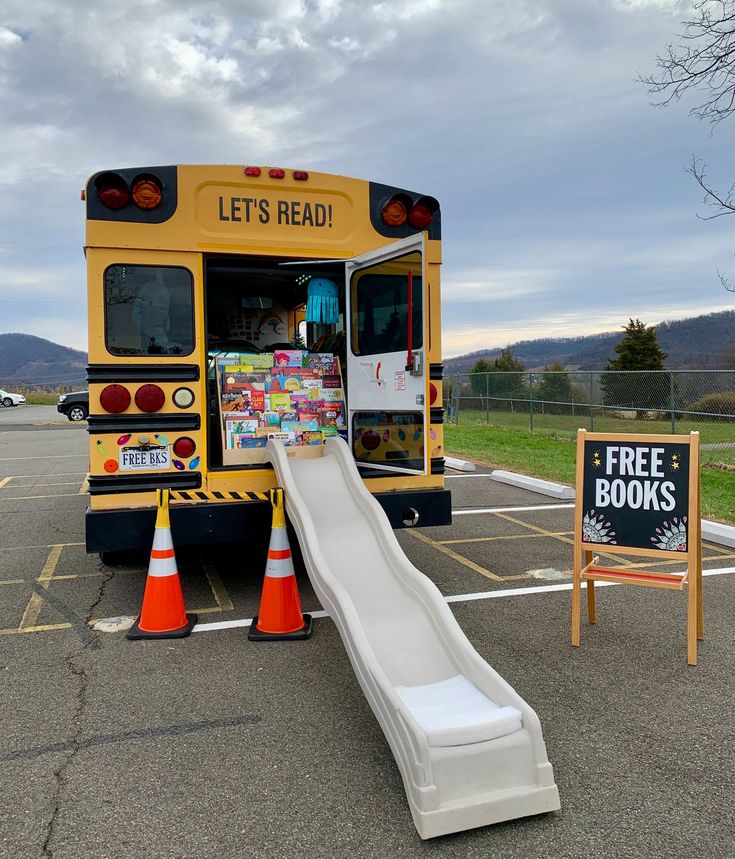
553 457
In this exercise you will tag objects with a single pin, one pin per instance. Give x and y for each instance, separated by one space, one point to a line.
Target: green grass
38 398
540 455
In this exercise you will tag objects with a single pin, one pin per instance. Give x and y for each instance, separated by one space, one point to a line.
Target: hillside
697 342
33 360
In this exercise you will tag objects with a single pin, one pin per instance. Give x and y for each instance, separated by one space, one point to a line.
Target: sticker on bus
144 458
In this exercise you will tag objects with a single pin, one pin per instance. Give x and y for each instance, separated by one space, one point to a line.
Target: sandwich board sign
638 495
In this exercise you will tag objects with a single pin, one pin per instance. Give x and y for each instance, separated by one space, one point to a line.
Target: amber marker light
394 213
147 193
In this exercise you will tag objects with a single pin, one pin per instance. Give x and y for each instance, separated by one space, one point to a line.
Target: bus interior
258 304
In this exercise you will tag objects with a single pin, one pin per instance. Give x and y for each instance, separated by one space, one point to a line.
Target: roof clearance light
114 399
112 191
300 175
184 447
183 397
252 171
147 193
276 173
149 398
394 213
420 216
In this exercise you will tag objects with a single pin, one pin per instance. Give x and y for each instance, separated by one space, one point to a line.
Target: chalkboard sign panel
635 494
638 495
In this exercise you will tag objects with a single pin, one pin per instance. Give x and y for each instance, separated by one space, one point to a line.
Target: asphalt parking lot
216 746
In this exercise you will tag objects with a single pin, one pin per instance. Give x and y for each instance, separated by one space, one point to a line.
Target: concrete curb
716 532
534 484
713 532
459 464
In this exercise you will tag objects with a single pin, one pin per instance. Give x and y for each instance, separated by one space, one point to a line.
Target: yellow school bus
194 271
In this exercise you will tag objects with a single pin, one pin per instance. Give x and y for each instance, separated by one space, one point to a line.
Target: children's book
288 358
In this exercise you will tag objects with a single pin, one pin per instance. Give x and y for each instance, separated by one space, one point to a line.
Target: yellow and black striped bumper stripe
196 495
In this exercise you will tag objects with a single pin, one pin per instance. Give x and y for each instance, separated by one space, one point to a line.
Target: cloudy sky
565 205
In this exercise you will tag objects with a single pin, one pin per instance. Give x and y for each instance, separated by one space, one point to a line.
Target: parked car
9 399
75 405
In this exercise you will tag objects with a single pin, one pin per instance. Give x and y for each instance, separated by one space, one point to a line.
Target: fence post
487 398
592 411
671 398
530 398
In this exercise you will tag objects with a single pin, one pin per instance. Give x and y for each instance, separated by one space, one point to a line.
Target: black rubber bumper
197 524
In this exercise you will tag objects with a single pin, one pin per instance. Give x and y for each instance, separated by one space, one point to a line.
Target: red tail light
394 213
433 393
115 399
184 447
149 398
112 191
147 193
301 175
420 216
252 171
276 173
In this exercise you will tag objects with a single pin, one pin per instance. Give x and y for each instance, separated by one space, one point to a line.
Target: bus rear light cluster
115 399
113 191
276 173
400 209
184 447
149 398
252 171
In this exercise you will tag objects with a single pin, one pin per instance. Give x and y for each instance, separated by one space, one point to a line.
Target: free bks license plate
144 458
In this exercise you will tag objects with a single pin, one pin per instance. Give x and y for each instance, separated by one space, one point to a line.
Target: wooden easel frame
585 567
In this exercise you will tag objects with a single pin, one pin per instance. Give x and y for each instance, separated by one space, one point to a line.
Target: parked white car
8 399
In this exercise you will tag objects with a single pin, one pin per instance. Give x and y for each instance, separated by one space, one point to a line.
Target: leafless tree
703 63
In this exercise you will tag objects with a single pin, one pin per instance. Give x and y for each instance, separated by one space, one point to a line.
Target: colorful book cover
331 395
311 437
329 431
331 381
250 399
286 437
331 415
259 361
301 372
245 441
280 402
288 358
322 362
298 426
308 416
270 419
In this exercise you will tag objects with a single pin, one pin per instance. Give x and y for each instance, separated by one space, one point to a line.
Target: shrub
716 404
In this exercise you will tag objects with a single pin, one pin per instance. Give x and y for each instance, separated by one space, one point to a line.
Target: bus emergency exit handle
409 333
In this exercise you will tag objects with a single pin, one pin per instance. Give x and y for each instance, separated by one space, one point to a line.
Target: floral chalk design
672 536
596 530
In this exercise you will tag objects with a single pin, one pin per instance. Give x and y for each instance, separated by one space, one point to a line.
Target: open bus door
386 358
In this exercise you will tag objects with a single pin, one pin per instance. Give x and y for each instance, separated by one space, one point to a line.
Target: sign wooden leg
591 610
576 608
692 616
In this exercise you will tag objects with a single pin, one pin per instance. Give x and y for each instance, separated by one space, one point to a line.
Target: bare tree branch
703 61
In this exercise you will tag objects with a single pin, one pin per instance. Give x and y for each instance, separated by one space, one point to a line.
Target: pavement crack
79 672
60 779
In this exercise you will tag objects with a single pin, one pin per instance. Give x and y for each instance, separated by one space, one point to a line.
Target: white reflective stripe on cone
279 569
279 540
162 542
162 567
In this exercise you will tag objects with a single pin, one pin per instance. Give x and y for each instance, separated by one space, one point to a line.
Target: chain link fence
557 403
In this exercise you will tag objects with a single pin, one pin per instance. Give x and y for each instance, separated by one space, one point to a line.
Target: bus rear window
149 310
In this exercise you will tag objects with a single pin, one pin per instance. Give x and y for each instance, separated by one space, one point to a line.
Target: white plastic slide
469 748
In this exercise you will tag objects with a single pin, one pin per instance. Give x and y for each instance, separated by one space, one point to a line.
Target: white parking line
482 595
473 511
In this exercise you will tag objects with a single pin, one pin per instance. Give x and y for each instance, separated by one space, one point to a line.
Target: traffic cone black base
135 633
254 634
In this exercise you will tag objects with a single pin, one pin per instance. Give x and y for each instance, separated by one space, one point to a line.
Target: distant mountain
33 360
699 342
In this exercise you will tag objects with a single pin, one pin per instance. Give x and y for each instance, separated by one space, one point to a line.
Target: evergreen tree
507 380
478 380
555 388
638 350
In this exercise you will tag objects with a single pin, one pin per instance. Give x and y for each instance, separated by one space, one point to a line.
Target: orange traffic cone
163 614
280 607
